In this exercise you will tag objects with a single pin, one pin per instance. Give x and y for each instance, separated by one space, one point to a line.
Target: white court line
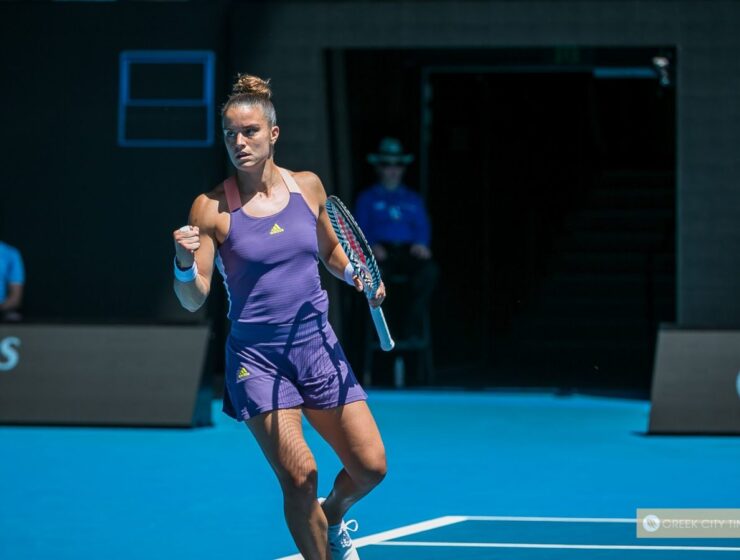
381 538
552 519
567 546
410 529
399 532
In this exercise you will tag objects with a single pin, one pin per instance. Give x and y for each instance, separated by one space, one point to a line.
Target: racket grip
386 342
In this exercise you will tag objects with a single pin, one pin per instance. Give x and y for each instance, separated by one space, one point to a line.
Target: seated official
396 225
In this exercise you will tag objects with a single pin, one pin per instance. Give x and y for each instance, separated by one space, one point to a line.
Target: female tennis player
266 228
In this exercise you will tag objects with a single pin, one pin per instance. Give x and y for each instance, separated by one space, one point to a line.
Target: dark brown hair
251 90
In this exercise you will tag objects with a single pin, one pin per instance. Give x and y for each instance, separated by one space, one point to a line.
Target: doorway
549 176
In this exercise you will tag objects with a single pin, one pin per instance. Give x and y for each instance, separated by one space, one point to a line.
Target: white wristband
349 273
187 275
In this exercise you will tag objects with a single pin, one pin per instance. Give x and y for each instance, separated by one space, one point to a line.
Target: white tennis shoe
340 543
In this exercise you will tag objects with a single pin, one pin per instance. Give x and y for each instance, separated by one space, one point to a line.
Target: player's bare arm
197 246
330 251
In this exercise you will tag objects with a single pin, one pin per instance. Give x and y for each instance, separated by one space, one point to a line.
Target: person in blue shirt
12 278
395 222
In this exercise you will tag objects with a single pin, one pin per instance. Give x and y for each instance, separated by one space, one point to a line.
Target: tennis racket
361 257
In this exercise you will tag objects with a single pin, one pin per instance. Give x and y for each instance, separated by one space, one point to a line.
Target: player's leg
280 436
354 436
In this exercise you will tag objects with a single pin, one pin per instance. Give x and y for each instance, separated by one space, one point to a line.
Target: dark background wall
94 220
708 79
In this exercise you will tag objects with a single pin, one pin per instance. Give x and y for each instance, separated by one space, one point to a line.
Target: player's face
248 136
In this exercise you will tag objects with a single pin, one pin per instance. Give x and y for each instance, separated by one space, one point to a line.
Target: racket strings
354 243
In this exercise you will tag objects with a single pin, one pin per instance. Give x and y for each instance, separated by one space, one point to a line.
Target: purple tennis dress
281 351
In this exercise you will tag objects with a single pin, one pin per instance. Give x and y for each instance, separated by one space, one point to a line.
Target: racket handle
386 342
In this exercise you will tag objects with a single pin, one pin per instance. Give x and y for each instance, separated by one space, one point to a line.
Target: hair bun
253 86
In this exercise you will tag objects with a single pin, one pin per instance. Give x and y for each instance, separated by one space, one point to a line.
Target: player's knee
373 471
300 481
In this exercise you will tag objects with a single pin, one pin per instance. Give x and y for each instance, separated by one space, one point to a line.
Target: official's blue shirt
392 216
11 269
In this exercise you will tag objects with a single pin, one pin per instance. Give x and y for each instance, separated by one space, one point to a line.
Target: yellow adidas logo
276 229
243 373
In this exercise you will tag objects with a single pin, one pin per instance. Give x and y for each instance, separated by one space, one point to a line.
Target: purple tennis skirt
282 366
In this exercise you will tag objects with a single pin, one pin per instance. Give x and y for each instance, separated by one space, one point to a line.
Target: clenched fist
187 241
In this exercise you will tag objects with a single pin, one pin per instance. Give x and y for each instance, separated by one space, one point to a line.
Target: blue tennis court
478 537
471 475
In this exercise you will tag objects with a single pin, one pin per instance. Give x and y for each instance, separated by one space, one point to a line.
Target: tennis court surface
488 537
472 475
